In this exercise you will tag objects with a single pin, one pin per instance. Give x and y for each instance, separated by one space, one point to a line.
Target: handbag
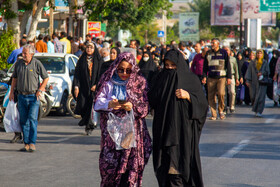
265 81
121 130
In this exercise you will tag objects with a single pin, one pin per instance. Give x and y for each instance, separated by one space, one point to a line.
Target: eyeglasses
121 70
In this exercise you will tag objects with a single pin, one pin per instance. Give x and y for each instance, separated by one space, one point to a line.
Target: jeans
28 107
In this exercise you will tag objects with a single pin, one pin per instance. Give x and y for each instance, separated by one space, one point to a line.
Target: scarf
119 88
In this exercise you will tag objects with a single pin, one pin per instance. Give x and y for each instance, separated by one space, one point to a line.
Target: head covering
173 128
272 63
259 61
147 68
132 86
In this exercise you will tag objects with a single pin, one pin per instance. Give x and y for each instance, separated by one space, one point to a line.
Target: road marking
270 120
235 150
65 139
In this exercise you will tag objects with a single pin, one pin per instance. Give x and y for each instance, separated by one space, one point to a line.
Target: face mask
274 56
145 59
106 58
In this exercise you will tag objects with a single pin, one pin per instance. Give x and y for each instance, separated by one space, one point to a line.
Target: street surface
241 151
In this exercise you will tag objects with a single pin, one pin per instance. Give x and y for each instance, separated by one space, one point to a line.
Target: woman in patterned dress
122 81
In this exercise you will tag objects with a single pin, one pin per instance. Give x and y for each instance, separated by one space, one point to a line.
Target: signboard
189 26
61 6
94 28
160 34
269 6
227 12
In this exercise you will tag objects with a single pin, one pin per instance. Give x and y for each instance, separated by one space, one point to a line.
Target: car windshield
53 65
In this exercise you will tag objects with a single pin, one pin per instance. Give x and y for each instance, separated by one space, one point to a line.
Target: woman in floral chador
122 81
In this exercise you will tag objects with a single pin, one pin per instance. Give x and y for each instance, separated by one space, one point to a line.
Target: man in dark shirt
217 68
26 79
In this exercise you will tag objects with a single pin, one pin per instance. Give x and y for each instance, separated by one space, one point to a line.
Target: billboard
227 12
270 6
94 28
189 26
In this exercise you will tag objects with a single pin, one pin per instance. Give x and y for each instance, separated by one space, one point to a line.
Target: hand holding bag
121 130
11 118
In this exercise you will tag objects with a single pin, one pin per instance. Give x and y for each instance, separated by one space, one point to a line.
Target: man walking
217 67
26 79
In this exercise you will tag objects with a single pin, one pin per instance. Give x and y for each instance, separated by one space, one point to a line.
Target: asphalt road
241 151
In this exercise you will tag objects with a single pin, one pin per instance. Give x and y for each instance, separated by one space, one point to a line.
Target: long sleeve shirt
13 56
41 47
216 64
197 64
234 67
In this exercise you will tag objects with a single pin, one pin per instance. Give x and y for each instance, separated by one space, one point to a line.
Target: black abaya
148 68
83 81
177 122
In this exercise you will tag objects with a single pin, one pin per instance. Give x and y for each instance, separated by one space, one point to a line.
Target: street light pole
241 20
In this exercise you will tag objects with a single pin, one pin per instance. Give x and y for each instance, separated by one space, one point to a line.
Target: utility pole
241 20
51 18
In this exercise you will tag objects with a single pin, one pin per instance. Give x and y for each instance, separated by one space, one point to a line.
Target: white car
61 69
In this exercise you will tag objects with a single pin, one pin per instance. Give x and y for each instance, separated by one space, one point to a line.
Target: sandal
212 118
222 116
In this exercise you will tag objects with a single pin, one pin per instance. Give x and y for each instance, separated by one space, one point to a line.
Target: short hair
40 37
30 48
22 42
217 39
63 34
183 44
88 35
119 44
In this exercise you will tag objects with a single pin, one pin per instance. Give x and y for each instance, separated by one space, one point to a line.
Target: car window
71 64
53 65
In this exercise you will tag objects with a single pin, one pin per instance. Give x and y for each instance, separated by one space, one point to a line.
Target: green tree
7 45
125 13
173 33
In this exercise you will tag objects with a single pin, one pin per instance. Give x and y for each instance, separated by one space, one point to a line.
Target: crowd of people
172 82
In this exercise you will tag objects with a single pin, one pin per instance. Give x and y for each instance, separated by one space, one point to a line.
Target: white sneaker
258 115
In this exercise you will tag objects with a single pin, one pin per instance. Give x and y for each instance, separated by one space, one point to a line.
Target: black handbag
266 81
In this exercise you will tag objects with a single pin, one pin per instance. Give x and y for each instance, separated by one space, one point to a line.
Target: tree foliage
7 45
124 13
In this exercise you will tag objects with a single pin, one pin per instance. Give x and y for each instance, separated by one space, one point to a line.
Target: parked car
61 69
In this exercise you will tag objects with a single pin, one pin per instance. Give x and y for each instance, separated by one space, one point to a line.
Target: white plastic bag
275 92
122 130
11 118
94 116
6 98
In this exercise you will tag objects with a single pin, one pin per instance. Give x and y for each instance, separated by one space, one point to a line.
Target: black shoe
17 138
88 132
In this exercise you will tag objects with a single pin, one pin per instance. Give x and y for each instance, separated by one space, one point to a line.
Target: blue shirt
50 47
13 56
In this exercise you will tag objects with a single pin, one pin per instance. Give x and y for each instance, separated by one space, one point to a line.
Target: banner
189 26
94 28
227 12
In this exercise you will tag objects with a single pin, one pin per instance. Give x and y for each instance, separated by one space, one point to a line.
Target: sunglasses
121 70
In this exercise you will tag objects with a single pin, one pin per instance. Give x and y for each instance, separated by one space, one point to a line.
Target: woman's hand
76 92
182 94
114 104
237 82
259 74
127 106
93 88
241 80
275 77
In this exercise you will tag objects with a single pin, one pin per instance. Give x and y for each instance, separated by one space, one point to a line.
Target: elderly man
217 68
26 80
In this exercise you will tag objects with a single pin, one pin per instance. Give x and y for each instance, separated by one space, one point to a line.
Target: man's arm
13 85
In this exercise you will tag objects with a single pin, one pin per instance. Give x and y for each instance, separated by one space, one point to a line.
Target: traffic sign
160 34
269 6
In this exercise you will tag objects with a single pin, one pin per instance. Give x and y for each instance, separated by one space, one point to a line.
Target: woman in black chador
180 113
86 77
147 66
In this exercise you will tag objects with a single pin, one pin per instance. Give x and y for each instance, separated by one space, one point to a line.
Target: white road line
235 150
270 120
64 139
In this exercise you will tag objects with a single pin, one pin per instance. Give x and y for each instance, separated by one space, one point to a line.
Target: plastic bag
11 118
275 92
122 130
94 116
6 98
